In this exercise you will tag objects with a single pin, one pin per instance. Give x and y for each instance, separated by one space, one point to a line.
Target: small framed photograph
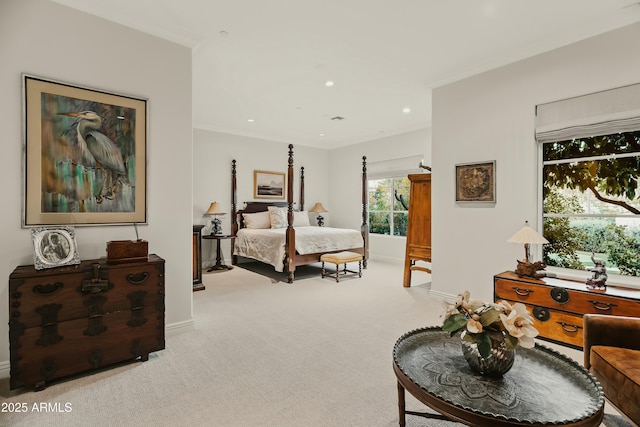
476 182
54 247
268 185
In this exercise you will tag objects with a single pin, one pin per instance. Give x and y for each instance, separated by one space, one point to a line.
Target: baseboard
385 259
179 327
4 369
171 329
442 294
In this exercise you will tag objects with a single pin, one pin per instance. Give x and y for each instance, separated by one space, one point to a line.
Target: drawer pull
47 289
95 284
569 328
522 291
601 305
541 313
138 278
559 295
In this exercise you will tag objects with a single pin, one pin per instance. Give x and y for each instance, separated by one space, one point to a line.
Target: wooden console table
558 304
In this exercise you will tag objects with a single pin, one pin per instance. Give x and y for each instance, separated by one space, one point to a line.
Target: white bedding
267 245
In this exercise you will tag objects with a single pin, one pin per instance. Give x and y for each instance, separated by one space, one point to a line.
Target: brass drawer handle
522 291
601 305
569 328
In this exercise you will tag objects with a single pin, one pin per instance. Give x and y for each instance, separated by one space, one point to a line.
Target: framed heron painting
84 155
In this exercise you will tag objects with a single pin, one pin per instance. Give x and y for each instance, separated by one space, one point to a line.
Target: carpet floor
262 352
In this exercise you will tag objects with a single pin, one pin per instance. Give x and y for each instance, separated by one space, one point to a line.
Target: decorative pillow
257 220
278 217
301 219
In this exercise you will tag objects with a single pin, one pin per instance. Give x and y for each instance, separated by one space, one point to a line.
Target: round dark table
543 388
218 265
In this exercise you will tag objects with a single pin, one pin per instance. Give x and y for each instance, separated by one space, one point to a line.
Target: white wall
49 40
212 156
491 117
345 202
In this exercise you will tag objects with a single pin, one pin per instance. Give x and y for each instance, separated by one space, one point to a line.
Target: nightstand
218 265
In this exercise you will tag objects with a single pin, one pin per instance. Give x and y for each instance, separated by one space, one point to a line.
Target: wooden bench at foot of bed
338 258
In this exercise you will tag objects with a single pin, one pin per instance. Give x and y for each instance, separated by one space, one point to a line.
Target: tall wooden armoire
419 227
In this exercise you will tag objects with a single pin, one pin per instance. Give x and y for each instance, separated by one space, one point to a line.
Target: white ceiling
268 60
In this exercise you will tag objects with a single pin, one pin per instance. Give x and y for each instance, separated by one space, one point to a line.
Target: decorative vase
495 365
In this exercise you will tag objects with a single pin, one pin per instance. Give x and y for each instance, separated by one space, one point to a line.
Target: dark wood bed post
301 189
290 242
364 228
234 216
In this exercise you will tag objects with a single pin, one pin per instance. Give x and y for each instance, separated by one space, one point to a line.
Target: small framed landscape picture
54 247
268 185
475 182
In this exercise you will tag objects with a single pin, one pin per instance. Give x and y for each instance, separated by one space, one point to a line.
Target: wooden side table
219 265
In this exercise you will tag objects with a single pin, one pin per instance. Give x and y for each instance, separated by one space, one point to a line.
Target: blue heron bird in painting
104 151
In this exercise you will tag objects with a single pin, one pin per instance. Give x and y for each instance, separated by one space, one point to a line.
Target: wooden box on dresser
73 319
558 304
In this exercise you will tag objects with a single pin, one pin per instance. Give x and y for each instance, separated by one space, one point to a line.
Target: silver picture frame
54 247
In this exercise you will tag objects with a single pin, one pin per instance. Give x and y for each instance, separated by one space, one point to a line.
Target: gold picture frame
54 247
475 182
84 155
268 185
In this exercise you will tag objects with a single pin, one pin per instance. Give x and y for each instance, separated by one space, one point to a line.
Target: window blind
601 113
394 167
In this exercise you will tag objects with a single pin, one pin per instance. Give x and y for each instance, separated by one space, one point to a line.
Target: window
590 166
388 205
591 202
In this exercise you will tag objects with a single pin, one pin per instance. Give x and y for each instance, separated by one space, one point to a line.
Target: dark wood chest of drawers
558 305
68 320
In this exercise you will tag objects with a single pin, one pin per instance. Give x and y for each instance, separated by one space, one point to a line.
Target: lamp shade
215 209
317 208
527 235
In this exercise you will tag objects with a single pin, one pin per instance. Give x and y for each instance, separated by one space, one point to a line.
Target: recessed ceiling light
406 110
328 83
322 134
251 120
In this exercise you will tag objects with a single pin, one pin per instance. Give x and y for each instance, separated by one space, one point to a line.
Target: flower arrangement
490 322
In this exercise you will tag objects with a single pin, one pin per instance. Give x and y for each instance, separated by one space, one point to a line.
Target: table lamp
527 235
318 209
216 223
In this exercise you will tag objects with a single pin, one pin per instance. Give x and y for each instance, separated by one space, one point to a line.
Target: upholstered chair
612 355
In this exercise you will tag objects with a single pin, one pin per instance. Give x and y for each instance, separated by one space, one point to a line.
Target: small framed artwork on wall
475 182
268 185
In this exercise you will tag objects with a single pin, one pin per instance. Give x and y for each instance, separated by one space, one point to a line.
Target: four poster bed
276 234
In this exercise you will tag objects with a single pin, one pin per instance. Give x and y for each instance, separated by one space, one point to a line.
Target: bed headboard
253 207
